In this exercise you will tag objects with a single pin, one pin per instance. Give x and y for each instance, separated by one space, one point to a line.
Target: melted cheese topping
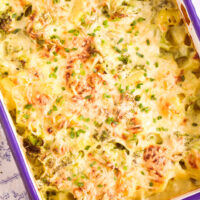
104 95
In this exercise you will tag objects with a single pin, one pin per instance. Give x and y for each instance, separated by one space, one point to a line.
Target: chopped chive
80 184
106 95
138 86
139 54
100 185
75 32
120 41
156 64
26 116
59 99
28 106
153 97
52 75
88 97
105 23
87 147
137 98
67 50
141 19
148 42
150 184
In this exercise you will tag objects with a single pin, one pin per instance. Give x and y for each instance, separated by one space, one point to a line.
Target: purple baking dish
187 7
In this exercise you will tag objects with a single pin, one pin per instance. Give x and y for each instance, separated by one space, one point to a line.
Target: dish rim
19 156
193 16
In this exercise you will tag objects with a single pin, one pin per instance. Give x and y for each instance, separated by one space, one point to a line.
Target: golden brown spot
187 19
192 161
155 161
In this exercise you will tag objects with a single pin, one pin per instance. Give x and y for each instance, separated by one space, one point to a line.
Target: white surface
11 186
197 6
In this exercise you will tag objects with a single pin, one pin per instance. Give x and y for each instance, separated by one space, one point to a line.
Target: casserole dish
193 24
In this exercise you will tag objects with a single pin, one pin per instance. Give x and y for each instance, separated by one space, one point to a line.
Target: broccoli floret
5 21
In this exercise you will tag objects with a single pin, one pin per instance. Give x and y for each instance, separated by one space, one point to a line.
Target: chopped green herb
120 89
28 106
143 109
59 99
98 28
150 184
152 79
139 54
99 185
97 124
88 97
74 49
92 164
75 32
56 1
161 129
72 133
80 184
55 69
138 86
55 53
120 41
110 120
182 78
125 168
137 98
159 117
52 75
26 116
136 33
14 15
106 95
133 23
92 34
156 64
141 19
82 21
117 49
142 173
148 42
153 97
80 131
124 59
105 23
16 30
50 111
83 118
20 17
55 108
87 147
67 50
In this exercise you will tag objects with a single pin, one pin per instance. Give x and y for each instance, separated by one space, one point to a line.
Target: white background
197 6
